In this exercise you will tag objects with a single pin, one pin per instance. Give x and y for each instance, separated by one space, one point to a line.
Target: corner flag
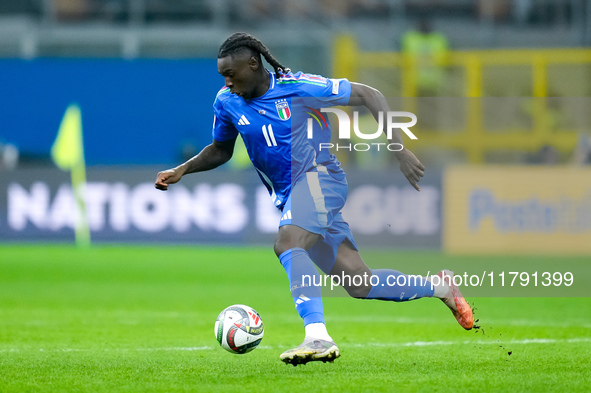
68 154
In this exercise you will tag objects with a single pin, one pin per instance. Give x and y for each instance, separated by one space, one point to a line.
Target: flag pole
82 231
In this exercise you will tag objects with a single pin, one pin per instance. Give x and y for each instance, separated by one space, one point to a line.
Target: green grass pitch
140 319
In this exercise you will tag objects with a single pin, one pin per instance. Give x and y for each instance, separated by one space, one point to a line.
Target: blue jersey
274 127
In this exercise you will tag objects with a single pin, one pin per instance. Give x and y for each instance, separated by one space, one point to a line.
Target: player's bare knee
281 246
358 292
356 280
283 242
290 237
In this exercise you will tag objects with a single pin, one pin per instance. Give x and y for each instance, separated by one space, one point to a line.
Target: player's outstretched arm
374 100
210 157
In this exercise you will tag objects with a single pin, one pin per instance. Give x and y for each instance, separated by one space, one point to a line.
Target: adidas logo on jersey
243 121
286 216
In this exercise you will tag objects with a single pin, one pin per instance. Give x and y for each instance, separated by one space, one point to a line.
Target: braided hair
240 41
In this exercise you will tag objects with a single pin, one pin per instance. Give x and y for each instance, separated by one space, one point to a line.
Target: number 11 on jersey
269 136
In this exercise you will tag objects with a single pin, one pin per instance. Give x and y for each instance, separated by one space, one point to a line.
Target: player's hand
411 167
167 177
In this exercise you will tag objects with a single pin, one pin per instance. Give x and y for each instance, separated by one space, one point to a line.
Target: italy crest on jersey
283 109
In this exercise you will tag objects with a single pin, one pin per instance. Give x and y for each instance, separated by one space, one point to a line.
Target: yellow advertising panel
517 209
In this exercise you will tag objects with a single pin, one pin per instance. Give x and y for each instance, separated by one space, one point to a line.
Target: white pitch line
205 348
525 341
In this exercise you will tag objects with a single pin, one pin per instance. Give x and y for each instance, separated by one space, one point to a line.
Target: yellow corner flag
68 154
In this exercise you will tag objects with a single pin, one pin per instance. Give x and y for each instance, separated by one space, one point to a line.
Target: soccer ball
239 329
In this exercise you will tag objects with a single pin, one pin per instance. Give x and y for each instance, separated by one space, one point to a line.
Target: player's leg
337 255
306 217
291 248
383 284
390 284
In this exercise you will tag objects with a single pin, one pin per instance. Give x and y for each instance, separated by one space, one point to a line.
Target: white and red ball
239 329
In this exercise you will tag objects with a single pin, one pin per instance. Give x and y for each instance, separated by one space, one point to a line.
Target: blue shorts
315 204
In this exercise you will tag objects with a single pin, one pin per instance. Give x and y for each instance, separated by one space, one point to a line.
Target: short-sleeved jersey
274 127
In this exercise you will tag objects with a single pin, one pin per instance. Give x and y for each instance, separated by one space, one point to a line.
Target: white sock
440 287
317 330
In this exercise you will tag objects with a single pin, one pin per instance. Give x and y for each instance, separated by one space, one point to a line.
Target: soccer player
306 184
